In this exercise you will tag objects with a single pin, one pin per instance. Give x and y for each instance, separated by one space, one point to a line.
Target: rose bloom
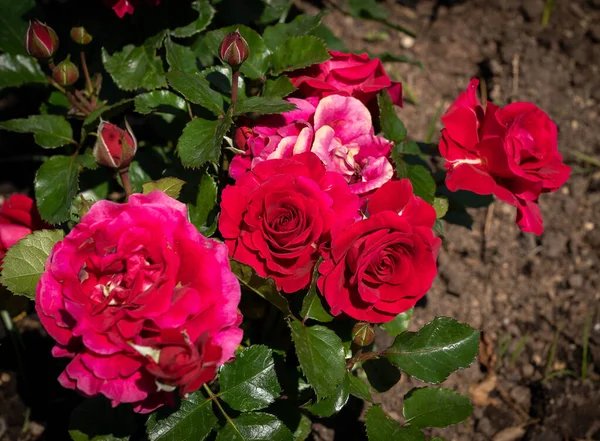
122 7
337 129
382 265
140 301
277 217
18 218
511 152
346 74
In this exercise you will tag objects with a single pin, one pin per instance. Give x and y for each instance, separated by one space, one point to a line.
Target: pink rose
511 152
337 129
349 75
381 266
277 217
18 218
141 301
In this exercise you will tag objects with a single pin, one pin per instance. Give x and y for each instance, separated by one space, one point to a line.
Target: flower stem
235 78
124 173
86 73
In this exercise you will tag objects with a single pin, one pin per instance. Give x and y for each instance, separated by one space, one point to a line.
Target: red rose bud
41 41
115 147
363 334
234 49
81 36
65 73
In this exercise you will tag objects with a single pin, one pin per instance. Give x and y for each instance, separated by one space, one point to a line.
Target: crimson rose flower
278 215
141 301
18 218
511 152
346 74
382 265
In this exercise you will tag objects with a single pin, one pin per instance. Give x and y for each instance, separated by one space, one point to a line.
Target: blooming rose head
18 218
140 301
115 147
346 74
277 217
122 7
382 265
511 152
338 129
40 41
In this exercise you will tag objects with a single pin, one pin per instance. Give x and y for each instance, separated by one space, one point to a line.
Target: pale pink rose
141 301
338 129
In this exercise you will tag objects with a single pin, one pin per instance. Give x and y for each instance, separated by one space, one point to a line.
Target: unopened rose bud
115 147
81 36
65 73
41 41
234 49
363 334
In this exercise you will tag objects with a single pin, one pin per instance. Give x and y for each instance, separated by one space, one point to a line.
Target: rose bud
81 36
41 41
115 147
65 73
363 334
234 49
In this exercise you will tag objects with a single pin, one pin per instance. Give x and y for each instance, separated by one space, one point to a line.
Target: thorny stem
124 173
362 356
77 104
86 73
235 76
84 100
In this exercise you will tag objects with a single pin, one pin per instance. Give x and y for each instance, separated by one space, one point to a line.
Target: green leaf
301 25
146 103
326 34
275 10
304 428
359 388
197 90
263 106
180 57
389 56
16 70
298 52
399 324
382 428
392 126
255 426
438 227
24 262
49 131
265 288
312 305
430 407
138 177
192 421
202 213
201 141
441 206
169 186
436 350
108 111
334 402
56 184
382 374
321 356
407 148
205 16
96 420
250 381
13 27
422 181
137 67
279 87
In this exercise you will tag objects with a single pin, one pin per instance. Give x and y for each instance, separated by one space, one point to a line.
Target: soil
533 297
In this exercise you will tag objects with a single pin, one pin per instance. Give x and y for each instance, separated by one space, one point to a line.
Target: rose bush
141 301
382 265
511 152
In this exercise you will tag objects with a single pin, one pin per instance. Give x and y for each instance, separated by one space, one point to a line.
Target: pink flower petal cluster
141 302
338 129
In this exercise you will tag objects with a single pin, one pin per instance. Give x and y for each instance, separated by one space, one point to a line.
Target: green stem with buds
86 74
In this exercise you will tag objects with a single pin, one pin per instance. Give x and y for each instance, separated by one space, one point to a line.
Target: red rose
18 218
278 215
122 7
381 266
346 74
511 152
